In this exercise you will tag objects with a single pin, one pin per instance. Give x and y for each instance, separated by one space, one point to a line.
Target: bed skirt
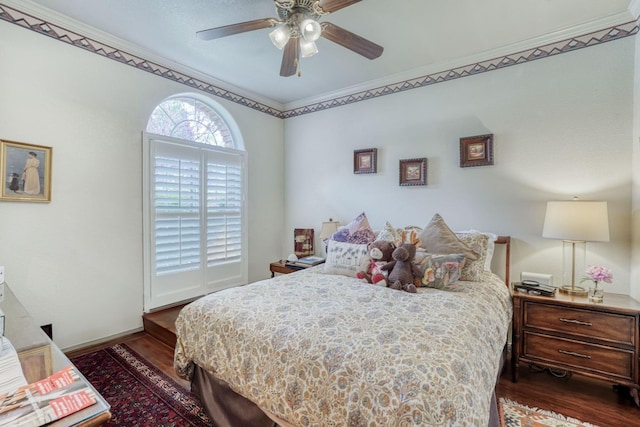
229 409
223 405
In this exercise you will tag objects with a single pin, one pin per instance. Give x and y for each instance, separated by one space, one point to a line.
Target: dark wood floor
586 399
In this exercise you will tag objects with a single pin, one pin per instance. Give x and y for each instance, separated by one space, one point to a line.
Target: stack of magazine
11 377
47 400
306 262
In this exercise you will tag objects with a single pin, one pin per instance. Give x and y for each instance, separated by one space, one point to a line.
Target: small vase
596 294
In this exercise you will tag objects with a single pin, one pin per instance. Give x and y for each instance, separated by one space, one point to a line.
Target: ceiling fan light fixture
280 36
307 48
310 30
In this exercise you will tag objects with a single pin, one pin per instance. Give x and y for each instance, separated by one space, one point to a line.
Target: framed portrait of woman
25 172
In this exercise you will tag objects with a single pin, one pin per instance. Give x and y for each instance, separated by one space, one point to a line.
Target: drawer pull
577 322
572 353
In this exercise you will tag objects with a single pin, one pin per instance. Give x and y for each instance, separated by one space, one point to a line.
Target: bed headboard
505 243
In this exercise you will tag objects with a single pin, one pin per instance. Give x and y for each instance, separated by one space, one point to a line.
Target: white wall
77 262
635 253
562 127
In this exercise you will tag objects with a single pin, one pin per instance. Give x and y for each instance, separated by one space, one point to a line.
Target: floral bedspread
326 350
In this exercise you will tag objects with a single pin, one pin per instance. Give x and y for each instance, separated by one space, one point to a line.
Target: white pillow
344 258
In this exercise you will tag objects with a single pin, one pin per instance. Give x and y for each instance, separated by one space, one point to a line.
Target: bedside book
306 262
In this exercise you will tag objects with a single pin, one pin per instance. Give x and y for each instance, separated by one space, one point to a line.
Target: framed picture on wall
365 161
413 171
25 172
476 151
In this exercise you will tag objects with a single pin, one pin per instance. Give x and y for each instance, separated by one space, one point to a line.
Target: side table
280 267
565 332
40 357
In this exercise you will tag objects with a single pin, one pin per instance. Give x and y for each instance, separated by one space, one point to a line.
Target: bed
315 348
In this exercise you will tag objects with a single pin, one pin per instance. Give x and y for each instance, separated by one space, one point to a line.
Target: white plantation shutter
196 220
176 195
224 224
224 209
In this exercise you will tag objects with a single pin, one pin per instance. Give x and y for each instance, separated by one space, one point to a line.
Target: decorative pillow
479 243
437 238
398 235
491 245
357 231
344 258
439 271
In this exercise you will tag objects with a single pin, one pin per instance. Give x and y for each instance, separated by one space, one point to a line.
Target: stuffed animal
402 270
378 254
410 236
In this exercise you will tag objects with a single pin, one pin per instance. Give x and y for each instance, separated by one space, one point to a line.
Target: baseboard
103 340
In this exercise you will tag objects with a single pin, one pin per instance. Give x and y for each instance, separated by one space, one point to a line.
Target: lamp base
573 290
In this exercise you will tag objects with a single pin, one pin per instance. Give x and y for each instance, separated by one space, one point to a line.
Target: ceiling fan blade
330 6
241 27
351 41
290 58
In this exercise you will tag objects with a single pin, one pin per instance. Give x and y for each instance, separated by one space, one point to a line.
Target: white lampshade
310 30
307 49
328 228
280 36
577 220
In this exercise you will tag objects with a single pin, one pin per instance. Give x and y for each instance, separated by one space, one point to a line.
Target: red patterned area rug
140 395
513 414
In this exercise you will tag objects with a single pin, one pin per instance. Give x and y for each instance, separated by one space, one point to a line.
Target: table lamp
327 230
575 222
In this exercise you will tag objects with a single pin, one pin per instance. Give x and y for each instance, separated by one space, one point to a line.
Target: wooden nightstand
569 333
280 267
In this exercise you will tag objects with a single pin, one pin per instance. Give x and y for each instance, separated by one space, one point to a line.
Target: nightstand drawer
607 327
583 356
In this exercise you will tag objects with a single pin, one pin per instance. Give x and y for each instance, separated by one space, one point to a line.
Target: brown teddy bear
378 254
402 270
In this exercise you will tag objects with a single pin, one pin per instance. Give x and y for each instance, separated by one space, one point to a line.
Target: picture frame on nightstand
303 241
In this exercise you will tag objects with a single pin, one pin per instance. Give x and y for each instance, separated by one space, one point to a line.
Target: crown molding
506 50
42 13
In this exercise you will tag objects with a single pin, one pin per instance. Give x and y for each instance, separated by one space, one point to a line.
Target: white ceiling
417 35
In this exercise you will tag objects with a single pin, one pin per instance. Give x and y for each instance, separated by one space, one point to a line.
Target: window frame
204 279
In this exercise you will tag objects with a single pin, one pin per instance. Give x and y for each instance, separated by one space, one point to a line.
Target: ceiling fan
298 28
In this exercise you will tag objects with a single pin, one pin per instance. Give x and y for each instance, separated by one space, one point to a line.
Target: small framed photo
413 171
476 151
25 172
365 161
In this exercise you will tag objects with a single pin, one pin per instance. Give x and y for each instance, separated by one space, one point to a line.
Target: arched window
195 179
190 119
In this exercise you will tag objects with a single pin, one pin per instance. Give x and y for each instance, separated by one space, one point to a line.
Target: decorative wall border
568 45
587 40
70 37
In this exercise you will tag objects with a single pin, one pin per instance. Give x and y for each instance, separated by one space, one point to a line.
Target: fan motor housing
309 8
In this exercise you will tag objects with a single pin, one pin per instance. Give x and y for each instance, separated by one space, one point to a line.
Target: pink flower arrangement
598 274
